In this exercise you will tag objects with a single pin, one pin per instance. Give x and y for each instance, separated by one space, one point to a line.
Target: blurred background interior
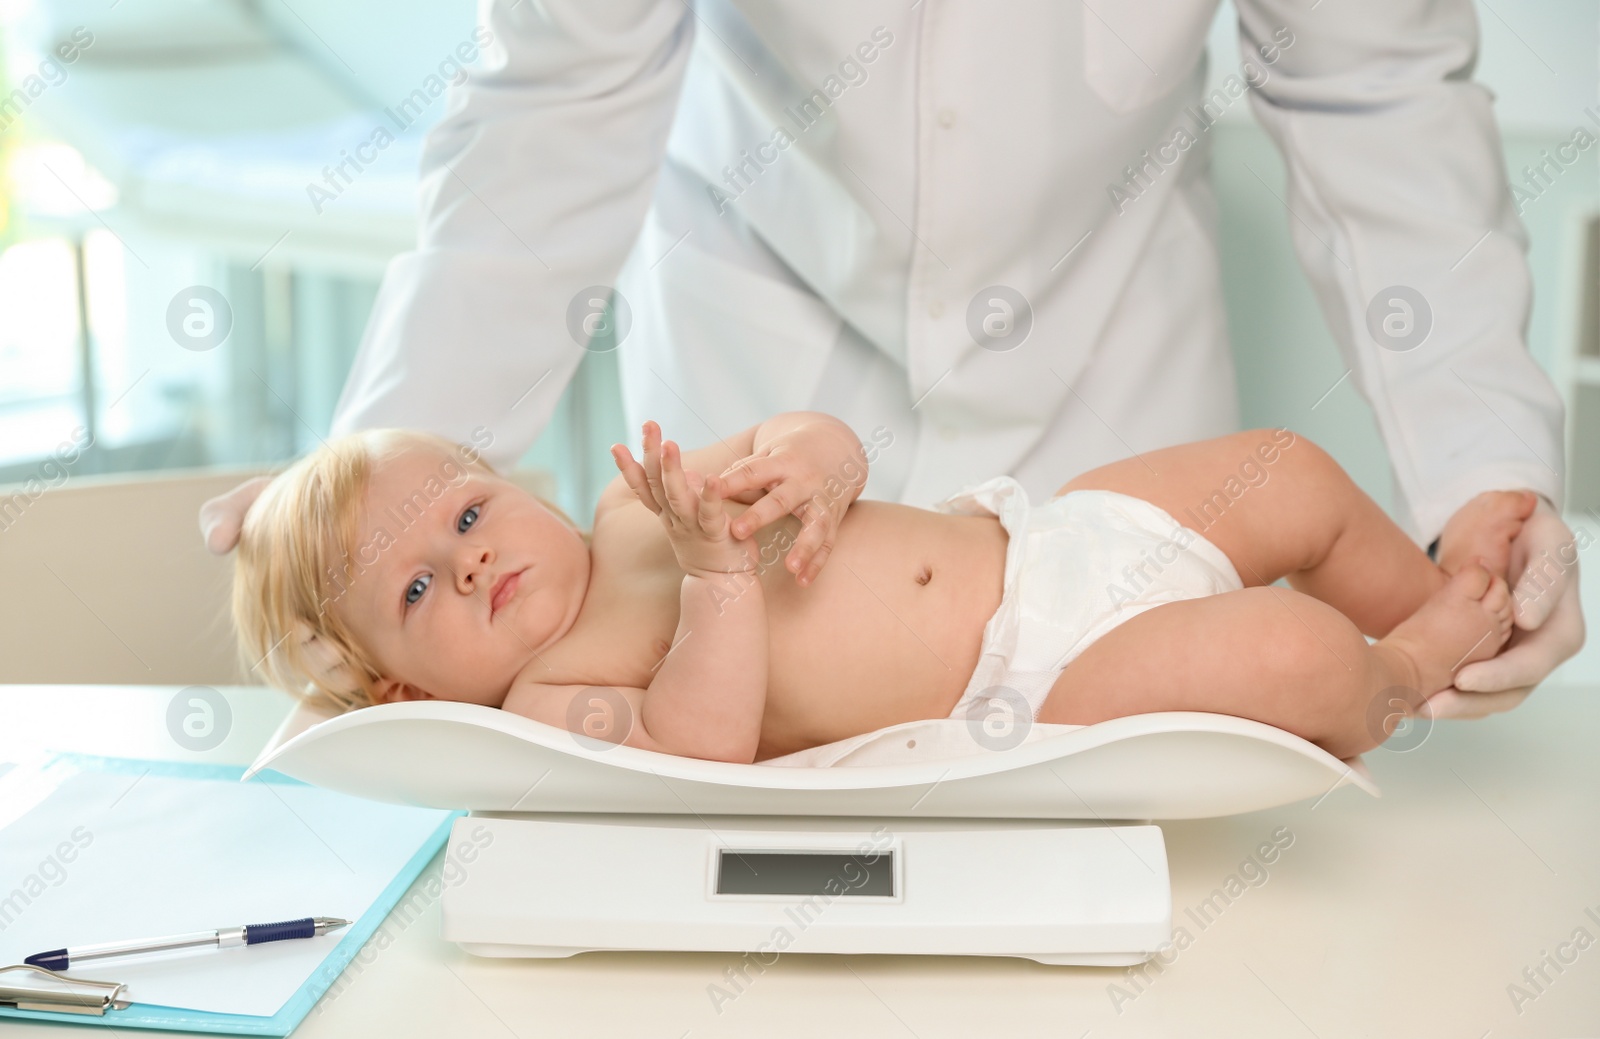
176 151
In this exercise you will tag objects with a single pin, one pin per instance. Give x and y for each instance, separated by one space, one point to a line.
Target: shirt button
936 310
947 117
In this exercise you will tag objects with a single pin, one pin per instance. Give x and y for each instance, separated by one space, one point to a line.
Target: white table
1405 916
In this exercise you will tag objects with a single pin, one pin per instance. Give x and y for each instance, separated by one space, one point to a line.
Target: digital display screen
831 873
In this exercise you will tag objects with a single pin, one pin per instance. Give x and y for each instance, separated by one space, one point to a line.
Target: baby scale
918 838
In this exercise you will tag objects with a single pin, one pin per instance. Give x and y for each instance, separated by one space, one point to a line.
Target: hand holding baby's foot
1468 619
1485 526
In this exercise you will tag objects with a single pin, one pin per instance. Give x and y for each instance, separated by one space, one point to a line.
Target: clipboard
27 993
71 996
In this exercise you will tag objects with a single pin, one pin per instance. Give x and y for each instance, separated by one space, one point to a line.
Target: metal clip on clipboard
84 996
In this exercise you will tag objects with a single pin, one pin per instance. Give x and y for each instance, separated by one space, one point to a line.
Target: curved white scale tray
1172 765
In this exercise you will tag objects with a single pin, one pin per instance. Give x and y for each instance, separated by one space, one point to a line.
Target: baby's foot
1468 619
1485 526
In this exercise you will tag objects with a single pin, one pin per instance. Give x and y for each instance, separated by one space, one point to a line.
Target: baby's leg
1279 506
1278 656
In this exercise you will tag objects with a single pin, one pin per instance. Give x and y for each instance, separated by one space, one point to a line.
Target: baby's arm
710 692
708 695
710 689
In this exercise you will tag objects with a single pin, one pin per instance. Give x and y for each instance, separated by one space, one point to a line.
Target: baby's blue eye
415 589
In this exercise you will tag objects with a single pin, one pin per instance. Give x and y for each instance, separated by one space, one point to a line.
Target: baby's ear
389 690
331 669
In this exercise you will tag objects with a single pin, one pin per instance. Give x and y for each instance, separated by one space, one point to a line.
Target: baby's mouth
503 591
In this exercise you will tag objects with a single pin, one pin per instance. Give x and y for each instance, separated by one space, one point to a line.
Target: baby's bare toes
1486 527
1496 603
1510 505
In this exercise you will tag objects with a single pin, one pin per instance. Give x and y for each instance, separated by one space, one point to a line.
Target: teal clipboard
292 1012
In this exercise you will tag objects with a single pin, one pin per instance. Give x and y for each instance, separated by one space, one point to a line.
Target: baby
393 565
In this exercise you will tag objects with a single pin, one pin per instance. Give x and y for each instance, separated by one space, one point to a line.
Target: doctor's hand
1548 621
813 472
222 517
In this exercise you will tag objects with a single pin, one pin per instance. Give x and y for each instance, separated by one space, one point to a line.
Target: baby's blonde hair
297 553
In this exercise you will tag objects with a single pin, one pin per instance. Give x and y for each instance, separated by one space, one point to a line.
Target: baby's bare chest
893 621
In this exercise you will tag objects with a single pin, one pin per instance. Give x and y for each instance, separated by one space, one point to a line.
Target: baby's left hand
812 472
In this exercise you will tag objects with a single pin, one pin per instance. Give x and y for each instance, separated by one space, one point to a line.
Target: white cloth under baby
1076 566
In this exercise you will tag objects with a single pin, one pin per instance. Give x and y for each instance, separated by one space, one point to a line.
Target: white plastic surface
1057 892
1173 765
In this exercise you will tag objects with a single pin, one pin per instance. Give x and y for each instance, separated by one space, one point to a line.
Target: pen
249 934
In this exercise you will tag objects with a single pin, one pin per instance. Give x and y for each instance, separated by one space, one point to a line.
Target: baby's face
457 593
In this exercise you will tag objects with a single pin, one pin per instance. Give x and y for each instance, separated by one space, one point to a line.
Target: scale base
1058 892
557 952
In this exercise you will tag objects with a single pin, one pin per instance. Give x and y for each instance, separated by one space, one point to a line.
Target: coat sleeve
534 185
1403 221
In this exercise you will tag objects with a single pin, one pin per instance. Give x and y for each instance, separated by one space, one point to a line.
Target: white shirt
1056 149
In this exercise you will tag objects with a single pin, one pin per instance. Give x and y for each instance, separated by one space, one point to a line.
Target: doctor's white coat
981 233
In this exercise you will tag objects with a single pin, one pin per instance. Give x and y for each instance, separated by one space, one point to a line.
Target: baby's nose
472 575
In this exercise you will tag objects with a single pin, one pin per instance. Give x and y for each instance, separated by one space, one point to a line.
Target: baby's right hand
690 507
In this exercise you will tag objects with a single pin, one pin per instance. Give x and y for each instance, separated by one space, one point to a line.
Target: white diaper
1076 567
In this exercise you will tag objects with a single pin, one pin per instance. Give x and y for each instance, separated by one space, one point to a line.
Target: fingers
1530 656
771 485
747 481
748 474
222 517
1452 703
694 499
814 533
1545 539
775 504
634 474
644 479
1501 682
815 565
677 490
713 517
745 497
652 460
